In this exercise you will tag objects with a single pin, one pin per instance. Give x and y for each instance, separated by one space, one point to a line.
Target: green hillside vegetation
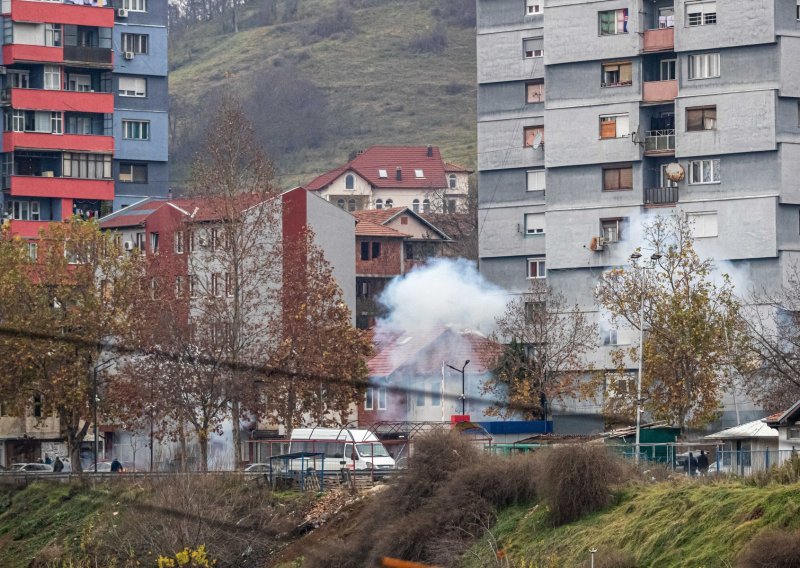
339 76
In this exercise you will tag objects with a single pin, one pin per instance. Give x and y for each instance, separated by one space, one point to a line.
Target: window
533 47
135 5
617 74
704 66
349 181
608 336
86 166
379 204
532 7
23 210
376 250
383 174
793 433
136 43
56 122
178 242
369 397
613 22
154 242
667 69
664 180
535 311
194 287
703 171
704 223
415 205
535 180
436 394
351 205
534 224
389 204
229 285
33 251
426 205
419 174
612 230
532 134
618 178
216 285
340 203
136 129
132 173
614 126
213 239
140 240
132 87
798 10
52 78
373 247
382 398
534 92
362 289
537 268
452 181
19 79
701 14
420 398
701 118
620 384
37 406
80 83
179 286
52 35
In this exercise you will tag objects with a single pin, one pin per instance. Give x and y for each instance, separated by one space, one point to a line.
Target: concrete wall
154 149
152 63
739 22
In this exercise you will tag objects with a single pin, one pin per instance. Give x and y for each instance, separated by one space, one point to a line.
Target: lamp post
463 386
99 367
635 257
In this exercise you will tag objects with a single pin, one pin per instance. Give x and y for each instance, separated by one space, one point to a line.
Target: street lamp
99 367
463 386
648 265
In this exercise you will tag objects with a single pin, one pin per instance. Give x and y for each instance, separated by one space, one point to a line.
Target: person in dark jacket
58 465
702 463
691 465
47 459
116 466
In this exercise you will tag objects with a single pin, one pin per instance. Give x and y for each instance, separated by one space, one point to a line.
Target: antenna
537 140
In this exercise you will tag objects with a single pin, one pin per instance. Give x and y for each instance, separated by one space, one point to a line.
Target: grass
379 91
664 525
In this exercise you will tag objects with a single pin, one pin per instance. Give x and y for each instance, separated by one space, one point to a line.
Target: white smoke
443 292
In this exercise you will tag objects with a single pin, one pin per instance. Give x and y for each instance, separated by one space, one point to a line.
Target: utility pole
99 367
463 386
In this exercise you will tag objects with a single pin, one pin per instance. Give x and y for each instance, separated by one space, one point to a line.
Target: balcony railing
659 142
659 91
95 55
659 40
660 195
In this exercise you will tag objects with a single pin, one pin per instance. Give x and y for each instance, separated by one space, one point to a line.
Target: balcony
660 196
659 91
89 56
69 188
72 101
659 40
27 229
89 13
21 53
659 142
46 141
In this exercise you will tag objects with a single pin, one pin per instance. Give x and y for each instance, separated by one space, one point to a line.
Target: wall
739 22
390 261
154 149
152 63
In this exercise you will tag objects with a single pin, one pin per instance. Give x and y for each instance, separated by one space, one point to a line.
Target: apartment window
33 251
532 134
130 172
703 171
701 13
415 205
704 223
56 122
132 87
618 178
179 286
608 336
52 35
194 287
534 92
80 83
613 22
135 5
534 224
19 79
216 285
228 285
612 230
136 129
704 66
23 210
349 181
798 10
379 204
663 178
86 166
667 69
533 47
701 118
382 398
52 78
178 242
614 126
351 204
154 242
369 398
535 180
533 7
140 240
426 205
136 43
537 268
617 74
370 247
340 203
452 181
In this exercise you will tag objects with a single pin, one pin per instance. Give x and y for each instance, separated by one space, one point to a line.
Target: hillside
337 76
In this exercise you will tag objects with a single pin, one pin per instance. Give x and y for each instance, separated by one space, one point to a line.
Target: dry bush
433 41
577 480
787 473
772 549
611 558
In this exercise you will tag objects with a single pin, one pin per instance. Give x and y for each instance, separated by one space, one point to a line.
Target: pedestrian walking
58 465
116 466
692 461
702 463
47 459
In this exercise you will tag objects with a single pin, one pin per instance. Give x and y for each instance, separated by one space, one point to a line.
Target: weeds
772 549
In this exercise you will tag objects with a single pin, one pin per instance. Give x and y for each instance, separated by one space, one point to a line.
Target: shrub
434 41
339 21
577 480
772 549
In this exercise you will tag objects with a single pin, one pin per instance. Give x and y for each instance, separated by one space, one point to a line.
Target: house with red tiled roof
389 243
787 423
383 177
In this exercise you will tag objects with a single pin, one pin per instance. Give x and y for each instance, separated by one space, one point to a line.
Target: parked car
257 468
31 468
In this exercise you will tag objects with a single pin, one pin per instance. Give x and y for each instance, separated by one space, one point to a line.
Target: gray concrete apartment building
615 90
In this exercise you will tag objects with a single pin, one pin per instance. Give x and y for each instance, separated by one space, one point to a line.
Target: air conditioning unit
129 55
202 241
122 13
127 245
597 244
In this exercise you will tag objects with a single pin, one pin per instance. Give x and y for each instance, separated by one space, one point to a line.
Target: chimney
398 174
430 151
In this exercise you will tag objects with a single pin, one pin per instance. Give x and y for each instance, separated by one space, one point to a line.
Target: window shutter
626 178
694 119
625 73
608 128
611 179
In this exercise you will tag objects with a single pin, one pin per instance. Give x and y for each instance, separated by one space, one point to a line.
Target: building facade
594 115
85 108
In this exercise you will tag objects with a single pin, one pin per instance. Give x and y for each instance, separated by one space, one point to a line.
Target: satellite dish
675 172
537 140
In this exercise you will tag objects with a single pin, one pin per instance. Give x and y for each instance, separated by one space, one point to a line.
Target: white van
358 450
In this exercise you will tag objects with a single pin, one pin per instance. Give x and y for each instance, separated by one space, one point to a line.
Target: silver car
31 468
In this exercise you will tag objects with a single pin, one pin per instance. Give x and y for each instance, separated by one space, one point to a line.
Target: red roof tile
132 215
389 158
366 228
455 168
383 216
